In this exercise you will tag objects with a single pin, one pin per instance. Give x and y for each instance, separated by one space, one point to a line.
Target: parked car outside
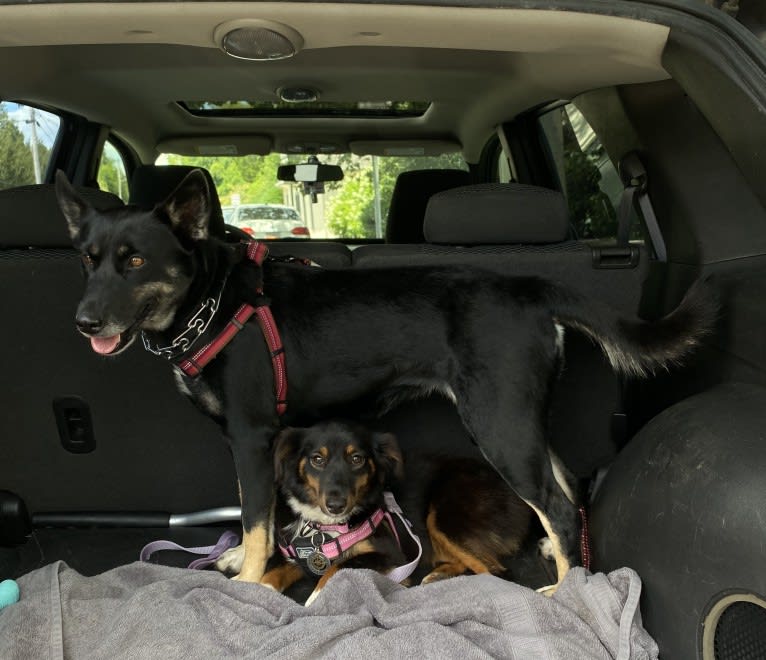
268 221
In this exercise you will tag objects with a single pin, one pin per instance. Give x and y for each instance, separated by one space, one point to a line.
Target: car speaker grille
741 633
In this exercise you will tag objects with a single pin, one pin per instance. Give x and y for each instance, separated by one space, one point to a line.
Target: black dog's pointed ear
188 207
72 206
285 446
388 455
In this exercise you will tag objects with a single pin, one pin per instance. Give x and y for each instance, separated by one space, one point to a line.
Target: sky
47 123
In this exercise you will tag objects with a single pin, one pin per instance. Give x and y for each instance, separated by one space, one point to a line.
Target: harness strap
193 366
350 536
584 539
337 546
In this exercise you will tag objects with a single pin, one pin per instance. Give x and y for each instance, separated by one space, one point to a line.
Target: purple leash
401 573
213 552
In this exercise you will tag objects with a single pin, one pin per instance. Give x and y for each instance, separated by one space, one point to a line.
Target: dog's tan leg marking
562 563
257 552
282 577
449 558
322 582
362 548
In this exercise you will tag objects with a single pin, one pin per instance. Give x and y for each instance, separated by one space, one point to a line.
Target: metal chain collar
196 325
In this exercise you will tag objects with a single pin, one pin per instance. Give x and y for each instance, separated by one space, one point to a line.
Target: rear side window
112 175
27 137
586 173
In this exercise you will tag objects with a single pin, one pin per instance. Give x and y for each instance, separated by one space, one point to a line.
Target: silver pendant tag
317 563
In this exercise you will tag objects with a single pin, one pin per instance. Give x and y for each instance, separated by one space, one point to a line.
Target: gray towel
148 611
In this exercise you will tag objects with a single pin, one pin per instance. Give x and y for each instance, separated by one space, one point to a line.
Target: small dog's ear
72 206
388 455
285 446
188 207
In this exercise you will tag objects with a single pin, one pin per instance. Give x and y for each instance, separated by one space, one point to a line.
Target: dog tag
317 563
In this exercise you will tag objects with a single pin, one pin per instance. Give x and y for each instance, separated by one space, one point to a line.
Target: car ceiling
126 64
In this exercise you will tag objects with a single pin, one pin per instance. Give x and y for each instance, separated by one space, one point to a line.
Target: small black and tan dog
488 341
332 514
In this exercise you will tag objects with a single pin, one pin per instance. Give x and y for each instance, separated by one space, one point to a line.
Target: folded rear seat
524 230
153 450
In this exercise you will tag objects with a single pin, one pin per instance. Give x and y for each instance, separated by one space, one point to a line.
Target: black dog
332 512
490 342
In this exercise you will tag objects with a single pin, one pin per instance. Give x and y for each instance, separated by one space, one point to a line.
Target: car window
586 174
267 213
112 175
27 137
354 208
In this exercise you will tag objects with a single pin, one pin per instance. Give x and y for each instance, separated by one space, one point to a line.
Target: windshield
354 208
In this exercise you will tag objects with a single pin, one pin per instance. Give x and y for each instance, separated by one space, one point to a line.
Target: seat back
152 184
409 200
153 450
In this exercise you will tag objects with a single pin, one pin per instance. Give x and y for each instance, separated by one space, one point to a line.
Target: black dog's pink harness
192 365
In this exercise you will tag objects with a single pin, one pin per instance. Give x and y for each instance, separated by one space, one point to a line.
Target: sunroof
305 109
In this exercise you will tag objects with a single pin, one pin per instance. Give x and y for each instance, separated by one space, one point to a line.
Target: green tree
351 203
16 167
350 209
590 209
253 178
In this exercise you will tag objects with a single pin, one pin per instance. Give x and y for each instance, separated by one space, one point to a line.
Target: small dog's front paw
230 562
435 576
545 545
548 591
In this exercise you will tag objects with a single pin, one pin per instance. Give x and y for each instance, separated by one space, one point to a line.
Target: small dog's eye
357 459
318 461
136 261
87 260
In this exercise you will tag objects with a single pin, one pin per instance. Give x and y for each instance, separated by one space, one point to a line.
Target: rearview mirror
310 173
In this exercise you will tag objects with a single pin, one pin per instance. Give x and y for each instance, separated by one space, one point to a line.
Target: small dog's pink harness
316 546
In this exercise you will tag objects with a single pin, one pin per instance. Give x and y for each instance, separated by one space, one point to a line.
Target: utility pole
33 145
376 198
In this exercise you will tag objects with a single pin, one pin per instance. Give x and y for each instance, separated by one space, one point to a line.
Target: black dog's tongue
104 345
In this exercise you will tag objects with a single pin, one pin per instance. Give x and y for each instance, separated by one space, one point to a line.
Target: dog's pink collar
317 558
192 366
347 536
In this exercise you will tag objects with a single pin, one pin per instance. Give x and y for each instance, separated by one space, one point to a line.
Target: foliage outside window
27 136
588 177
347 209
111 172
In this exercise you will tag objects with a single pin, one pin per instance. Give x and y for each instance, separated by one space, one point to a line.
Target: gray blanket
148 611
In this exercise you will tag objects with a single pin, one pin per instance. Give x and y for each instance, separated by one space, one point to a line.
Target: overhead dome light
298 94
257 40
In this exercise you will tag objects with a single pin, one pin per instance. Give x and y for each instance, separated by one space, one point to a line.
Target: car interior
615 149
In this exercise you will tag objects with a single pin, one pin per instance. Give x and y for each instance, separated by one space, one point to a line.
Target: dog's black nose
88 325
335 504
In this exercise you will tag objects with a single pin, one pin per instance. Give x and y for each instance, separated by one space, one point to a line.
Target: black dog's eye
136 262
87 260
318 461
357 460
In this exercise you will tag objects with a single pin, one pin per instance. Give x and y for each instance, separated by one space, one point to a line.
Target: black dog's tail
639 348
